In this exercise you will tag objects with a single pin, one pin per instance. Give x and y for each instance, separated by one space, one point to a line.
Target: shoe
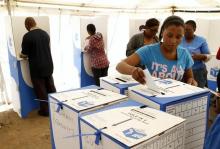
43 113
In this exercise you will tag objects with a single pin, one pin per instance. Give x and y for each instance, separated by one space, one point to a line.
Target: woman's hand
138 75
191 81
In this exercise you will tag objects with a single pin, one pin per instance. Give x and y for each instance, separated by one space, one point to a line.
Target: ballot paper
151 85
149 81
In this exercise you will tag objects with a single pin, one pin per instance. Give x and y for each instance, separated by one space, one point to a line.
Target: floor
34 131
29 133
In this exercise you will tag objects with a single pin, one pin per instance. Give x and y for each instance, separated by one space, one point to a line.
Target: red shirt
95 48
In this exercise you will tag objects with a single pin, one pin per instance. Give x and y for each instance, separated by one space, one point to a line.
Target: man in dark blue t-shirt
36 47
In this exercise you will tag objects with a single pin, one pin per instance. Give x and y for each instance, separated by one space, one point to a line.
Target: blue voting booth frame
86 79
26 93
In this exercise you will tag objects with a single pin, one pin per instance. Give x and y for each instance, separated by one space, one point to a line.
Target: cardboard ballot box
131 125
65 108
178 99
118 83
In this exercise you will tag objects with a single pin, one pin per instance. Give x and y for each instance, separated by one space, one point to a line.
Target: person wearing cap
36 47
164 59
199 50
148 36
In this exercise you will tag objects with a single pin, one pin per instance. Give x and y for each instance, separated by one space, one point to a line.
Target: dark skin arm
188 77
200 57
127 66
23 56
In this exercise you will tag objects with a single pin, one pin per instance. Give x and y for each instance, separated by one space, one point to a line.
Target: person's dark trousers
200 75
218 81
217 100
43 86
99 72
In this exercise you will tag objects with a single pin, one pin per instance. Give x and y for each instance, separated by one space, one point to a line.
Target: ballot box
118 83
180 99
131 125
65 108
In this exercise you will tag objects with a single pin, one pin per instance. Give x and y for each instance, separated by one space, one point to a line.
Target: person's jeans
99 72
200 75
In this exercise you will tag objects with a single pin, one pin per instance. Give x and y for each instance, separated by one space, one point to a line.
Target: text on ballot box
130 125
65 108
180 99
118 83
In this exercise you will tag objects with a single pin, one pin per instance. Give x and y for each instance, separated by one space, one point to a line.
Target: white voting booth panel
131 125
118 83
178 99
65 108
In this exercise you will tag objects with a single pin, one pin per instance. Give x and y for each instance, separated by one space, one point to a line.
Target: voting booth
65 108
101 26
212 66
19 68
180 99
131 125
118 83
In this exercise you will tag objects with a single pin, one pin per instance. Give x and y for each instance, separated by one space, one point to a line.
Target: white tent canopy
132 4
126 6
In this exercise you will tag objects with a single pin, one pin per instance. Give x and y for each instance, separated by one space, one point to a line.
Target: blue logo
214 72
85 104
165 81
134 134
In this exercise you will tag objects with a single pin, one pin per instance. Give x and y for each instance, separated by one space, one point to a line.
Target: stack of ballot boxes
180 99
131 125
65 108
118 83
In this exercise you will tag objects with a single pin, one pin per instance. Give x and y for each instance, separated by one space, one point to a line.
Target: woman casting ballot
163 60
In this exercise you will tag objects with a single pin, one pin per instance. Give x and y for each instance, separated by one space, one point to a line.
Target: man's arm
25 47
24 52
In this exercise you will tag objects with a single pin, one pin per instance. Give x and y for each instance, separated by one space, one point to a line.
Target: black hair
141 27
171 20
192 23
150 23
91 28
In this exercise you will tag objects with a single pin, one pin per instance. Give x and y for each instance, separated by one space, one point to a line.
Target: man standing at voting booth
36 48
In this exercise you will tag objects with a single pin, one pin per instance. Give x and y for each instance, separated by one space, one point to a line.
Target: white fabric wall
4 63
118 36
